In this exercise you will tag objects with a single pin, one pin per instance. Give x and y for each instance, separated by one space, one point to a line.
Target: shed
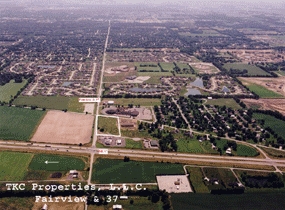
154 143
44 207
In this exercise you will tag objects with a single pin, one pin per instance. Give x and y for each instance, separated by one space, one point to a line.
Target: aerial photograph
142 105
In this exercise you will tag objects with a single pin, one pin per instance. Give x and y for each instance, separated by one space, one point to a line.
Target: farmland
65 163
13 165
51 102
131 172
251 69
25 203
196 179
65 128
249 201
10 89
18 123
108 125
278 126
167 66
263 92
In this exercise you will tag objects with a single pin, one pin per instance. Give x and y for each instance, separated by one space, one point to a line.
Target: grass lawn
51 102
252 70
242 150
18 123
278 126
167 66
274 152
194 146
228 102
147 66
131 144
9 203
155 74
183 65
136 101
249 201
196 179
65 163
13 165
10 89
118 171
108 125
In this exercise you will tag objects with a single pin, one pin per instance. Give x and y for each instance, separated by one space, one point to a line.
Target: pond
192 91
225 89
198 83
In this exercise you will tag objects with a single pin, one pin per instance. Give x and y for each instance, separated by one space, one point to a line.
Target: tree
126 159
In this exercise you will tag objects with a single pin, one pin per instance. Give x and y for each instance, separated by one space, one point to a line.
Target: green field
18 123
118 171
249 201
140 203
167 66
278 126
183 65
131 144
263 92
136 101
12 203
65 163
10 89
196 179
228 102
274 152
13 165
194 146
108 125
51 102
252 70
154 68
242 150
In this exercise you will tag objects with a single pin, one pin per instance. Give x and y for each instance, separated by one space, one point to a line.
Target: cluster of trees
258 181
167 143
240 102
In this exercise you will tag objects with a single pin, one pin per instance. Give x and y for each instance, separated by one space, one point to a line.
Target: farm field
65 128
252 70
132 171
51 102
278 126
224 176
65 163
14 165
60 205
249 201
140 203
10 89
266 104
9 203
196 179
135 101
228 102
204 68
18 123
263 92
108 125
